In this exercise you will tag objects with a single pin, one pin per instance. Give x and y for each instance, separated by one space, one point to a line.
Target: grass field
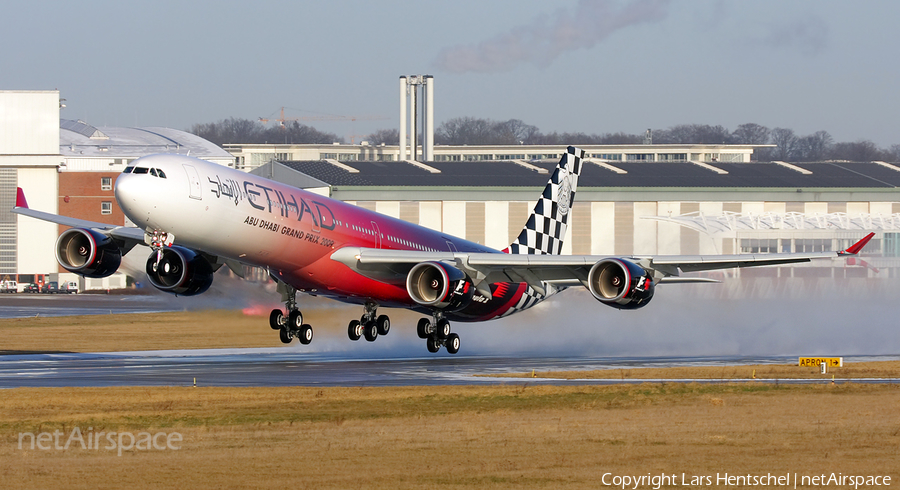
514 436
165 331
855 370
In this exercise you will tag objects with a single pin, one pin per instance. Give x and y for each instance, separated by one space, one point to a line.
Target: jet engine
440 286
620 284
179 271
87 252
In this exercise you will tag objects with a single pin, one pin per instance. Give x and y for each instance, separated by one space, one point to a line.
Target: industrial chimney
409 89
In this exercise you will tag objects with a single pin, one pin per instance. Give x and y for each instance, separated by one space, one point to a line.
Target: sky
593 66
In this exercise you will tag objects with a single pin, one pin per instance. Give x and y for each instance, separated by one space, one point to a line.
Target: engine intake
88 253
440 286
179 271
620 284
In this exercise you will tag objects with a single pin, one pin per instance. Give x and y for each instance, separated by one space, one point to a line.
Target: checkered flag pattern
529 298
546 227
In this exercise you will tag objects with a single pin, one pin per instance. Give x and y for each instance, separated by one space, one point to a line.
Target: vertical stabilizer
546 227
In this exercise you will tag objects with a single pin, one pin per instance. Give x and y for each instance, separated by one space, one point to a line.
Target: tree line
819 146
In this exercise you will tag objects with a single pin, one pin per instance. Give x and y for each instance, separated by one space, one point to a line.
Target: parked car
31 288
9 287
68 287
50 288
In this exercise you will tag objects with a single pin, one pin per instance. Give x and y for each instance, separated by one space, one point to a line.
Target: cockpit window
127 170
162 175
153 172
141 170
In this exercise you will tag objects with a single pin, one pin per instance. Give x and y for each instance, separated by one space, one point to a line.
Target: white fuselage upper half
292 232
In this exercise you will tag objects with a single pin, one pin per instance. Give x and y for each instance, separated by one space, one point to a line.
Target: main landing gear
291 326
370 325
437 334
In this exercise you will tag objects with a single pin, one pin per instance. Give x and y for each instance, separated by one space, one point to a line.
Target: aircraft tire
305 335
452 343
370 331
276 318
295 320
433 345
423 327
384 324
286 336
443 328
355 330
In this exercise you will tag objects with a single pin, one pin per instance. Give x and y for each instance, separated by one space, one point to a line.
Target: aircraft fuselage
290 231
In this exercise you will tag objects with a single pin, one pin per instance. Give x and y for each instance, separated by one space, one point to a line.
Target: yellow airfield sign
817 361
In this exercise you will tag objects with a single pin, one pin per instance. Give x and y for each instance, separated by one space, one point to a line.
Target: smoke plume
548 36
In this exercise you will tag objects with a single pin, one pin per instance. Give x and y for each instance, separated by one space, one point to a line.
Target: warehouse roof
495 173
80 139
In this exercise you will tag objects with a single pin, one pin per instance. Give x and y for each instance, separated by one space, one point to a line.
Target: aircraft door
377 234
194 181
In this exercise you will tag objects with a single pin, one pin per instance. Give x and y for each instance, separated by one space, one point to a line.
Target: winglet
20 198
856 247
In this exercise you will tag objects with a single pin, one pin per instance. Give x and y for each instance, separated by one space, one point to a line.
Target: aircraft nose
128 193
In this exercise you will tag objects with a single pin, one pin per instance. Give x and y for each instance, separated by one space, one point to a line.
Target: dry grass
167 331
853 370
460 437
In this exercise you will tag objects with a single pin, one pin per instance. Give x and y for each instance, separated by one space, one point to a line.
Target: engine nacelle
88 253
179 271
440 286
620 284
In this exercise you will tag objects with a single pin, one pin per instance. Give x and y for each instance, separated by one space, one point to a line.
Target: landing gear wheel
305 334
295 320
443 328
355 330
384 324
286 336
453 343
433 345
423 328
276 319
371 331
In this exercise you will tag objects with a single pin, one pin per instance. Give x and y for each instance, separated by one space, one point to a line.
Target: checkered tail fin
546 227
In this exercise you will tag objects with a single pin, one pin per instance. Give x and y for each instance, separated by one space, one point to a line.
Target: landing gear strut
370 325
293 325
438 334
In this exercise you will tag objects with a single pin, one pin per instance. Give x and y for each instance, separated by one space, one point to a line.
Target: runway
288 367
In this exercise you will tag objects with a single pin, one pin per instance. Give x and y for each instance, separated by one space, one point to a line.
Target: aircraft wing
393 266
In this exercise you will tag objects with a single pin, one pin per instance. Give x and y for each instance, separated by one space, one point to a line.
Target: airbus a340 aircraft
197 216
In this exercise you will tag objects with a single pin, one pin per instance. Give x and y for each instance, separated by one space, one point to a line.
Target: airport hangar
639 199
633 199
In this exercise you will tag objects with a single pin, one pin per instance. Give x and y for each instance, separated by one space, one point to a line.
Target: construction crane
323 117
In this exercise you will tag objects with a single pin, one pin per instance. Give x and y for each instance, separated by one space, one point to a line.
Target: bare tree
786 141
751 134
384 136
860 151
233 130
814 147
